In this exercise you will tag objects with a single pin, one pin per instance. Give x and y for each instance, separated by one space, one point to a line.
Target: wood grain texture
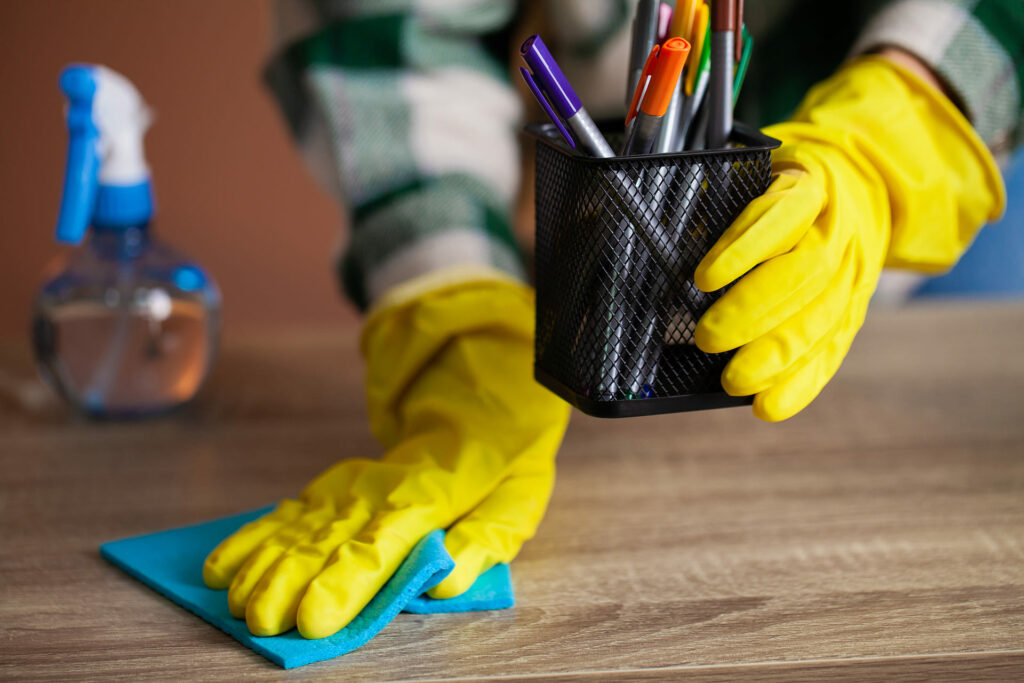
878 535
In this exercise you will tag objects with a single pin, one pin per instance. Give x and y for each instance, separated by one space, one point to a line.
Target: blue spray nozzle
106 183
78 82
80 178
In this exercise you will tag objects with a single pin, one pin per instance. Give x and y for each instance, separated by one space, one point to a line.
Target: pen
695 96
723 26
742 64
641 85
552 90
645 35
626 204
550 86
740 34
651 284
700 45
664 22
685 10
682 19
664 65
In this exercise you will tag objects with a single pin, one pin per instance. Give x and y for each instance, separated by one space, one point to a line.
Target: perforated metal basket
617 243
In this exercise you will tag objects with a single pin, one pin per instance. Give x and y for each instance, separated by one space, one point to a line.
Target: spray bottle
127 325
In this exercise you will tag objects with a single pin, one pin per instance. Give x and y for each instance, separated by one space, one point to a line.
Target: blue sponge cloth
171 563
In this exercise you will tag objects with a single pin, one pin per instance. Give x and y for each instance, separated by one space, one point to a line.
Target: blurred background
231 191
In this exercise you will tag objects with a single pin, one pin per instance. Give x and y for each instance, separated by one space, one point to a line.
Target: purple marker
552 89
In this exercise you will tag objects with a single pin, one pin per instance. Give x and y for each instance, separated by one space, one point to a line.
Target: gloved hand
471 441
876 168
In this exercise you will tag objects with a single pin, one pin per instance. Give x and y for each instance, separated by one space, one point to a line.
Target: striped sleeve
975 46
404 115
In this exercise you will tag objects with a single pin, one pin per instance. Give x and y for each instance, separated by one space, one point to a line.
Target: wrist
917 148
911 63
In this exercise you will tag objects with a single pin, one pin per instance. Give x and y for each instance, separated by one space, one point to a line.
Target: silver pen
645 35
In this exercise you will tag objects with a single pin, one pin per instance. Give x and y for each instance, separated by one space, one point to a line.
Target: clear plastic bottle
127 326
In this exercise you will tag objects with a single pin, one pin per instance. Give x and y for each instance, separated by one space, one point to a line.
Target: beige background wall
231 190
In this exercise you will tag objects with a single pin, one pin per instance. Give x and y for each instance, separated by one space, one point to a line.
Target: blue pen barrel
617 243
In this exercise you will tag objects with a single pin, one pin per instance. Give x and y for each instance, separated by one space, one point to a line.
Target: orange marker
662 68
665 77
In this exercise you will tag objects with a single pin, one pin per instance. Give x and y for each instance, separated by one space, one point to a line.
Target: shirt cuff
978 72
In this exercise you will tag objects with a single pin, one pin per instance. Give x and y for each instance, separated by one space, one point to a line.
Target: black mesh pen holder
617 243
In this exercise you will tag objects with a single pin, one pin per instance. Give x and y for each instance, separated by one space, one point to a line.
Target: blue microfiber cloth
171 563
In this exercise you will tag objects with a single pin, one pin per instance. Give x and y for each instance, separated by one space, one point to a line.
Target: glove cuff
941 181
415 322
434 281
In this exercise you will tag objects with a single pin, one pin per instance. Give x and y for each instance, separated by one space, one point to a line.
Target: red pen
641 84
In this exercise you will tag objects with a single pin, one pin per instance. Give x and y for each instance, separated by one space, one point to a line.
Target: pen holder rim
753 140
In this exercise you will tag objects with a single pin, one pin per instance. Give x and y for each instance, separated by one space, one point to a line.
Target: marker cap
549 77
665 77
543 101
723 15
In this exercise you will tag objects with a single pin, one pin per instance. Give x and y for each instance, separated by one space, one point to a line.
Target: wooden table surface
880 534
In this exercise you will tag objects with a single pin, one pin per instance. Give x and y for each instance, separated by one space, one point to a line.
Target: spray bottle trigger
80 177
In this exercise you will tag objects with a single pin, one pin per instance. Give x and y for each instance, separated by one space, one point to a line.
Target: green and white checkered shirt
405 111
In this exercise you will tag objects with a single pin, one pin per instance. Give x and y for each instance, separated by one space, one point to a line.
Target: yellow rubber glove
471 441
876 167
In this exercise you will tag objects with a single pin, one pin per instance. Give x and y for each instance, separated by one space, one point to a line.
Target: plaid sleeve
403 113
975 46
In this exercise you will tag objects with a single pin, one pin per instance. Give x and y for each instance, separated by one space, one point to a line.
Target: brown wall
231 191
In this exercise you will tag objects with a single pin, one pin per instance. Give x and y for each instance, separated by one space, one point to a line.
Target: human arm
402 114
470 443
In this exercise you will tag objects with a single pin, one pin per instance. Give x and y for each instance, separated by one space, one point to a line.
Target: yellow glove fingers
358 569
249 575
764 298
496 530
769 226
223 563
796 390
274 601
758 364
264 557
